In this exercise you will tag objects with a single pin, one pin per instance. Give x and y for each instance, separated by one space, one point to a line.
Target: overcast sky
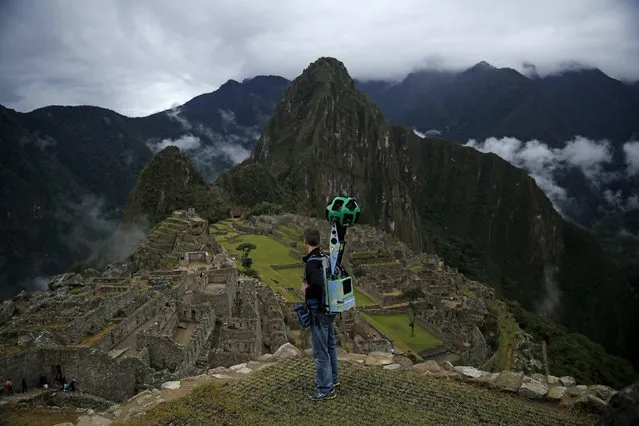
142 56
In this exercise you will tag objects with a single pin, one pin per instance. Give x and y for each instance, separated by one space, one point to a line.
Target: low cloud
428 133
544 164
174 114
631 150
206 147
42 142
551 301
94 233
186 143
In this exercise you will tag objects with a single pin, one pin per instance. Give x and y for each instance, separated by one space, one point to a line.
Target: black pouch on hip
303 315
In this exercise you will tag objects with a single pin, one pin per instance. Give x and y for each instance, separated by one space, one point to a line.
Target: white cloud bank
142 57
631 150
543 163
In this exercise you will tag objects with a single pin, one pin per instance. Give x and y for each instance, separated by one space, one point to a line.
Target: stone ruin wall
274 331
219 301
193 312
366 338
129 324
172 283
94 320
223 302
164 317
95 372
197 342
240 337
165 353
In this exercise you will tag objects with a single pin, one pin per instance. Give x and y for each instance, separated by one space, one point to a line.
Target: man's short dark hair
312 237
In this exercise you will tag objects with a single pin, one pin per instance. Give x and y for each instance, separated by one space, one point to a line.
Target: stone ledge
537 387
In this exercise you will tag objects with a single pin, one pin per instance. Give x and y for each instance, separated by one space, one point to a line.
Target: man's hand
303 288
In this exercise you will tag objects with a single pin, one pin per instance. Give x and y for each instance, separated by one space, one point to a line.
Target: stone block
237 366
579 390
509 381
567 381
287 351
552 380
487 379
556 393
217 370
539 377
470 372
392 367
532 389
403 361
429 365
171 385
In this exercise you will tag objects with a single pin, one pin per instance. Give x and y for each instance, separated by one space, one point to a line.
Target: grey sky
138 57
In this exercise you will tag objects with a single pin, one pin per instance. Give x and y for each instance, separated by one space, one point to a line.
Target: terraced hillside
278 396
179 233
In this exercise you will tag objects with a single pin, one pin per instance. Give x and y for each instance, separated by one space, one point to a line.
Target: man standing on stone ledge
322 323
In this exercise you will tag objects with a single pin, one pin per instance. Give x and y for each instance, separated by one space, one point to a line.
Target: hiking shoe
317 396
337 384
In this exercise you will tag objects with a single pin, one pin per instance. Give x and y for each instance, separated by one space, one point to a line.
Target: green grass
269 252
508 329
290 234
416 267
396 327
277 395
362 299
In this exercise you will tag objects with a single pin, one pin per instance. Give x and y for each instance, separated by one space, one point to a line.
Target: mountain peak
315 115
328 70
169 182
482 66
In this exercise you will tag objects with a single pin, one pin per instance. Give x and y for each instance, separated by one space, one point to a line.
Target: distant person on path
9 386
322 323
24 385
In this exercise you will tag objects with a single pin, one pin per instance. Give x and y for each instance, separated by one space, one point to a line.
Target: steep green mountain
67 171
36 199
482 215
170 182
619 234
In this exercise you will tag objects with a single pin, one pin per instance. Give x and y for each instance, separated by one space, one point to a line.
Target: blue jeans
324 350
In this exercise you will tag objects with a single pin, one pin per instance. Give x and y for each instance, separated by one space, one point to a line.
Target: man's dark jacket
313 277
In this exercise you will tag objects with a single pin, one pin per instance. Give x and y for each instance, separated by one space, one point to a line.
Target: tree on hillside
413 294
246 260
